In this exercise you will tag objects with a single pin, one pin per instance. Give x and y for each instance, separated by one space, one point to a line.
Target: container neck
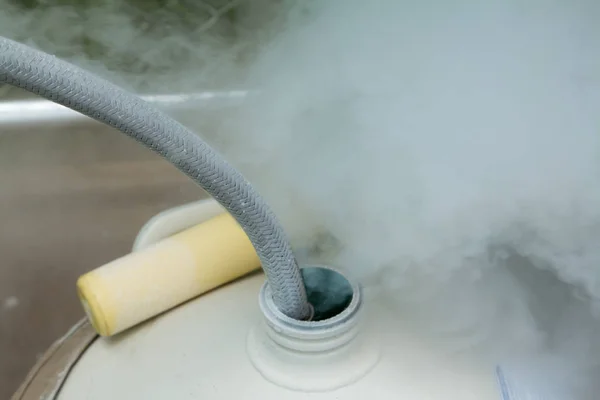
337 304
319 355
314 341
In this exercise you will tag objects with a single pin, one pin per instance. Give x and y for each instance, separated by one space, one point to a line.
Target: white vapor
451 149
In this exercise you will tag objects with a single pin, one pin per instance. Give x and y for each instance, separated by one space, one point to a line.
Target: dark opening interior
328 291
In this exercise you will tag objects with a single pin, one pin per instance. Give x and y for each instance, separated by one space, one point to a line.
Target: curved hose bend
70 86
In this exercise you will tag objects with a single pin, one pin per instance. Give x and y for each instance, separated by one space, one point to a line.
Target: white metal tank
221 346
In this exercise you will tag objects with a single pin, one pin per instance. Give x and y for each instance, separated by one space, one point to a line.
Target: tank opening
328 291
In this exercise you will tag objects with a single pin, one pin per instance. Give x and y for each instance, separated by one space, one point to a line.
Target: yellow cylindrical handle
145 283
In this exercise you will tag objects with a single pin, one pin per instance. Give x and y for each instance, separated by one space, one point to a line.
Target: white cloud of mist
452 150
450 147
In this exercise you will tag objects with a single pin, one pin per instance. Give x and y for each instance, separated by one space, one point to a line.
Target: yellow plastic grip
145 283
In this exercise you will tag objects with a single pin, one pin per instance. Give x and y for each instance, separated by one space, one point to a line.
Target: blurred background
73 195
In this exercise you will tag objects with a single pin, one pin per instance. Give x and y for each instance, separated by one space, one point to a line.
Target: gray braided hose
70 86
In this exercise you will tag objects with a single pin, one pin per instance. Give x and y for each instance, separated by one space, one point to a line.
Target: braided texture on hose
70 86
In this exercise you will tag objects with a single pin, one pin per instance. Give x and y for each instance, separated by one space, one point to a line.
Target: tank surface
210 348
199 351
